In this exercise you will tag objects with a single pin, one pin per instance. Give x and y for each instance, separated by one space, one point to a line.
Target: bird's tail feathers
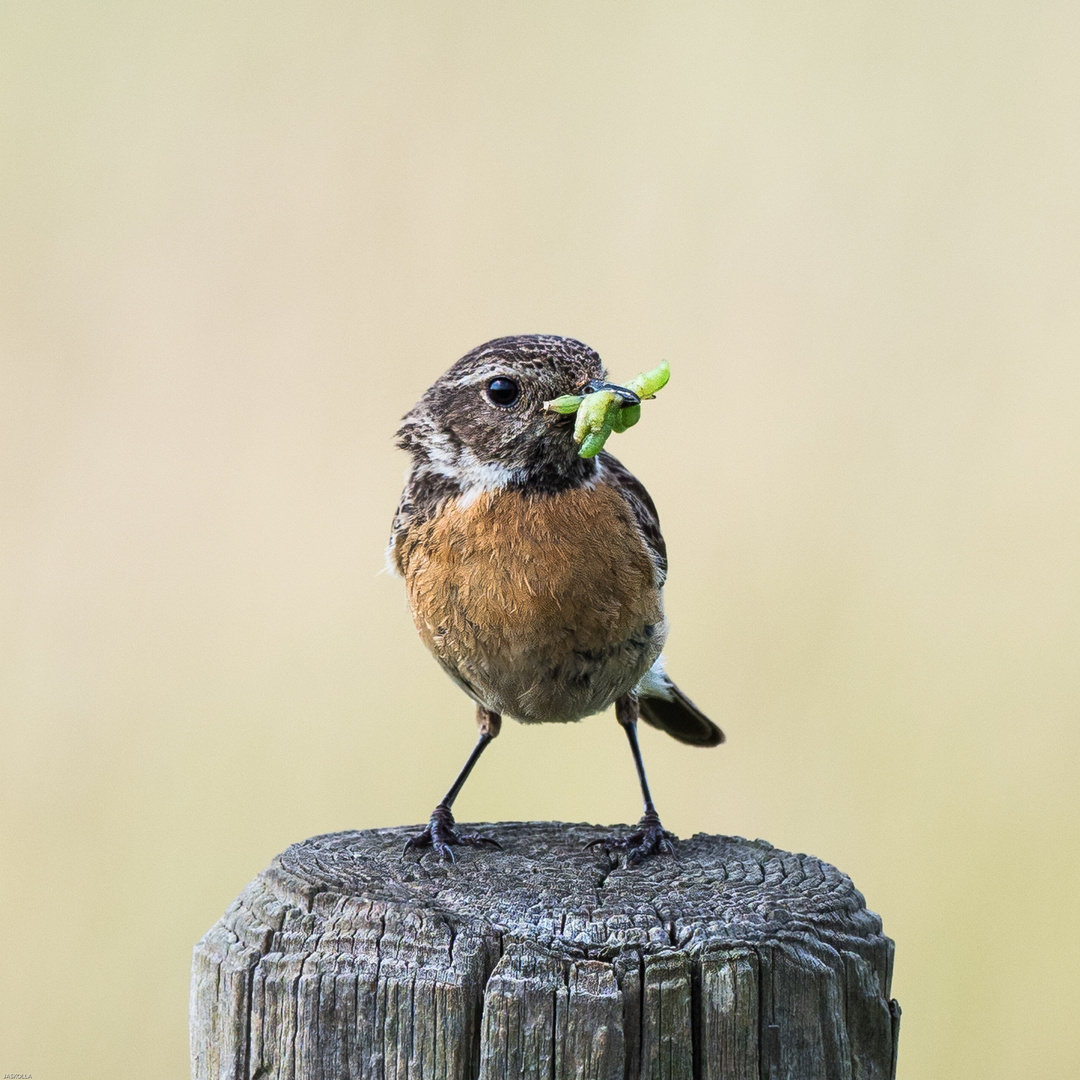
663 705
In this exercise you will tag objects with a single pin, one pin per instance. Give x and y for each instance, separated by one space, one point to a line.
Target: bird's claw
440 834
650 838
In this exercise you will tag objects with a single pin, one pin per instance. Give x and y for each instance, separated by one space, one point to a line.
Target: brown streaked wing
641 505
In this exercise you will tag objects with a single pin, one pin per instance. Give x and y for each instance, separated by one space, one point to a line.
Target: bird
535 574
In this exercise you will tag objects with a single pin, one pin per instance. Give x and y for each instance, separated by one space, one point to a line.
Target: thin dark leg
440 833
459 783
626 712
650 837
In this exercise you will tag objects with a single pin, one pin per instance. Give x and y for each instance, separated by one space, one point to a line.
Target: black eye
502 391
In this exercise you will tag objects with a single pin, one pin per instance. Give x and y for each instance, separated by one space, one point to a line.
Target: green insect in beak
608 407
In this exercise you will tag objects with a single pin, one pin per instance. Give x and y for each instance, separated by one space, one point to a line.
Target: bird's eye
502 391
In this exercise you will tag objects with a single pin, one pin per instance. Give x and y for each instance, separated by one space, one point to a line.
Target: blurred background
238 241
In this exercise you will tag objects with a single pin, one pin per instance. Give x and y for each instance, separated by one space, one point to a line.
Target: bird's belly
544 607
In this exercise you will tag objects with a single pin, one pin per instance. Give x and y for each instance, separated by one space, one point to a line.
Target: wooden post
729 961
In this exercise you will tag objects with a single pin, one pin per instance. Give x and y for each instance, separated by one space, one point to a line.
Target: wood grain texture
730 961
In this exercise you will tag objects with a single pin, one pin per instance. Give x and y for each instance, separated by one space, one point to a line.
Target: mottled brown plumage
535 576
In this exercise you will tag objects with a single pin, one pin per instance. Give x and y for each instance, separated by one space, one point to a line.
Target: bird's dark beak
595 385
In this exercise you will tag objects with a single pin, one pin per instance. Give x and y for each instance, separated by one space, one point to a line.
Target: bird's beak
594 386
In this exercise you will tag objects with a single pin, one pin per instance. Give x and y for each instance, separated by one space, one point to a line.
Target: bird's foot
441 835
651 838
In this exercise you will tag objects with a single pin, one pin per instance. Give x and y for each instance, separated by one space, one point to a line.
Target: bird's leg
650 837
440 833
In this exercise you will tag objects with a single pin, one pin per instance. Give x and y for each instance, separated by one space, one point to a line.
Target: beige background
238 241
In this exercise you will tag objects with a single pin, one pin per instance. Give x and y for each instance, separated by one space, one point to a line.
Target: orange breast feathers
514 576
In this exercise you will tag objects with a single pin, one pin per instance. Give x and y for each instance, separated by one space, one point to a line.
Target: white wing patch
655 683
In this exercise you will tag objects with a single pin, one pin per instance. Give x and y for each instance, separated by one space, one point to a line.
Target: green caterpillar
604 411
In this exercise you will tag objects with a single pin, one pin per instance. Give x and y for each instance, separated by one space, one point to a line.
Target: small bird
535 574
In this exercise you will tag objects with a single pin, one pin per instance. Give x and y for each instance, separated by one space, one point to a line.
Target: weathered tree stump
731 960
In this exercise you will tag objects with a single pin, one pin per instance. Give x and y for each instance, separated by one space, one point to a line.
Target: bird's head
528 409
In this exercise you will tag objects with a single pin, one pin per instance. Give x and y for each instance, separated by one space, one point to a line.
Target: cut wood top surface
545 886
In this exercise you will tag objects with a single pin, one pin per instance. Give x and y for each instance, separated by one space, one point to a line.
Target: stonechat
535 573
